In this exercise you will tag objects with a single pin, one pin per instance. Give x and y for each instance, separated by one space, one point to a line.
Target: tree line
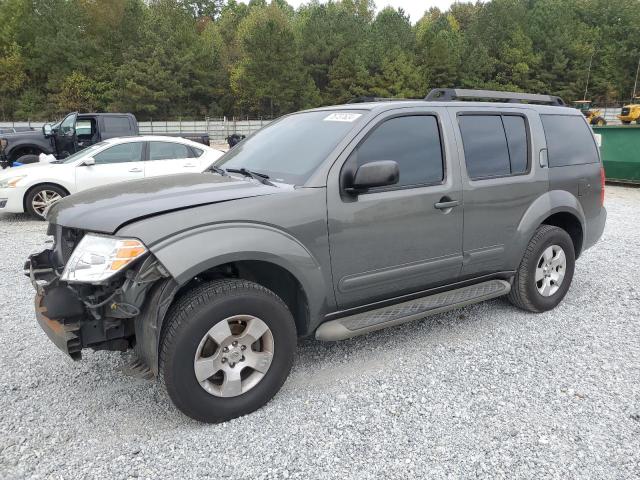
164 59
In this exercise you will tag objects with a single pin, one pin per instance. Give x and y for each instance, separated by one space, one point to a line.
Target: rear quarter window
569 140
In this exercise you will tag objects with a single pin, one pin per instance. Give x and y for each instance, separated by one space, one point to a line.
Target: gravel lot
487 391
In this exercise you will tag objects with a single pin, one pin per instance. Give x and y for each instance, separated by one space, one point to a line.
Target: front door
397 240
116 164
65 137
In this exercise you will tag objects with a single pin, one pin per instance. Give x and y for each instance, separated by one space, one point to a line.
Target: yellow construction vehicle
594 116
631 113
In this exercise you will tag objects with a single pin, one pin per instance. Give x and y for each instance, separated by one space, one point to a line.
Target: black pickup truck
75 132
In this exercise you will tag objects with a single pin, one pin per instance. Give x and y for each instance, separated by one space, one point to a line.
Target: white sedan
34 187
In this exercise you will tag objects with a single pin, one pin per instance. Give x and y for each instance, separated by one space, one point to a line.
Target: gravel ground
487 391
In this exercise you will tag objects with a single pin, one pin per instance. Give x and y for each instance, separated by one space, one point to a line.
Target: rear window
569 140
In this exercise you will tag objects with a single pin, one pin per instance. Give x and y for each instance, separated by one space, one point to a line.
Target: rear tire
626 122
543 279
41 197
198 389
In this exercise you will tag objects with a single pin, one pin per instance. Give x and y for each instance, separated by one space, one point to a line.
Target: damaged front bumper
100 317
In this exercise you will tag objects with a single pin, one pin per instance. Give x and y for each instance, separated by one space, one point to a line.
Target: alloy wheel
550 270
43 200
234 356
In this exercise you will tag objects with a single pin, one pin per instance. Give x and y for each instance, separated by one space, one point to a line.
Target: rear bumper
595 228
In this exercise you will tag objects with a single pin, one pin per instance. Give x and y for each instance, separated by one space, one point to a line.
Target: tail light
602 180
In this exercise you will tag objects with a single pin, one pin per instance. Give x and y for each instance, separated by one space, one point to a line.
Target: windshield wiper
261 177
218 170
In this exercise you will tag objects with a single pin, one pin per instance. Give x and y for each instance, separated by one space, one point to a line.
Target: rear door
169 158
115 164
501 179
396 240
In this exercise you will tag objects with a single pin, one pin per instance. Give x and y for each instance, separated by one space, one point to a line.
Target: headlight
11 181
99 257
3 143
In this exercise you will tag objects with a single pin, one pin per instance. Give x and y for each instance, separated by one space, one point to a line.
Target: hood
106 209
29 168
25 133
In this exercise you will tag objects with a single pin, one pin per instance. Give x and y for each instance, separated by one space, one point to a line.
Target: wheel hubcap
233 356
550 270
43 200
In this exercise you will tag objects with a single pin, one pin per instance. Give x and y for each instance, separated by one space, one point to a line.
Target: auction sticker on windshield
342 117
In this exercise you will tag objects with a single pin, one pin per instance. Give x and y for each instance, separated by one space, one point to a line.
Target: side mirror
88 162
375 174
47 130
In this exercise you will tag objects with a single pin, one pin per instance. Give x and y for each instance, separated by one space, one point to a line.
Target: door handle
189 165
135 170
445 204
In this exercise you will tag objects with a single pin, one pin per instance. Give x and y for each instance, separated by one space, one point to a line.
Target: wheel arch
41 184
25 149
255 252
558 208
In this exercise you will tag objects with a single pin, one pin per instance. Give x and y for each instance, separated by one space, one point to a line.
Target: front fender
194 251
15 145
551 202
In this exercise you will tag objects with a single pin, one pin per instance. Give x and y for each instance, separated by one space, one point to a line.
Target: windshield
290 149
87 152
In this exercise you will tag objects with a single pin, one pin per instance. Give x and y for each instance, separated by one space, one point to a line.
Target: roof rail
450 94
376 99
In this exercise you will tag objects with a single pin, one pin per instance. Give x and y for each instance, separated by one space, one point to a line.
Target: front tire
545 272
226 349
41 197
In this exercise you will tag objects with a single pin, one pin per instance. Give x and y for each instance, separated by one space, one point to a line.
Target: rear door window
117 126
485 146
569 140
168 151
494 145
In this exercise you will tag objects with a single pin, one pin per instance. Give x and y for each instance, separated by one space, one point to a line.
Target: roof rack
450 94
376 99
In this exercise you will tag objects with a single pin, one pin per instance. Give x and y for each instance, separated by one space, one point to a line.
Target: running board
391 315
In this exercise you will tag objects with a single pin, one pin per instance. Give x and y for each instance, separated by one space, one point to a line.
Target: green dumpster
620 149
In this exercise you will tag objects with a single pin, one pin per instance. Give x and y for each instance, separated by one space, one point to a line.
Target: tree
270 78
78 93
348 77
12 79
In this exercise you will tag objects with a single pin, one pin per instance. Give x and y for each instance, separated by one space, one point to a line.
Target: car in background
75 132
35 187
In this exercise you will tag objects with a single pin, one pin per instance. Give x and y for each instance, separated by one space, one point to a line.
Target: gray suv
331 223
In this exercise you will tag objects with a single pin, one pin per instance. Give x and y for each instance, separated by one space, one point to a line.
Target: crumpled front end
99 315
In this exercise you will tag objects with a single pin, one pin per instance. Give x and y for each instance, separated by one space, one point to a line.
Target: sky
415 8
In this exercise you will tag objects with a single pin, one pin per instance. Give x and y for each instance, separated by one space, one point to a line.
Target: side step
391 315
